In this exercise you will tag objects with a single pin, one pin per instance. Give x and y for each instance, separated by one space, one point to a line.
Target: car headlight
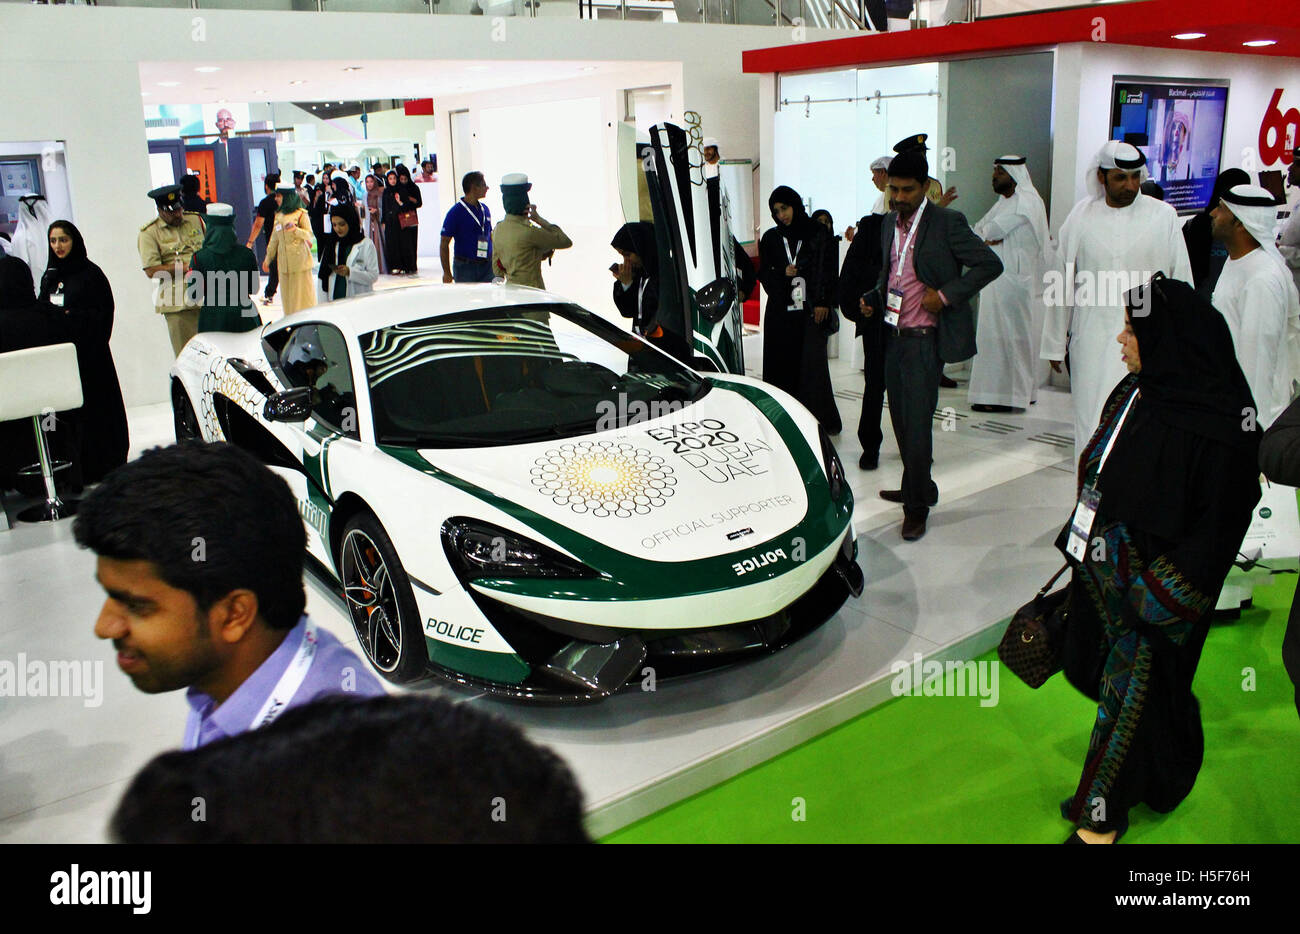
479 549
831 460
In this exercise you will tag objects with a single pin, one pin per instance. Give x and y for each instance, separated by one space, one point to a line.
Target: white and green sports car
520 496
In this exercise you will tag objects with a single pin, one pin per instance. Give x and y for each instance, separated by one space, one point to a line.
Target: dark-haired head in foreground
200 549
403 769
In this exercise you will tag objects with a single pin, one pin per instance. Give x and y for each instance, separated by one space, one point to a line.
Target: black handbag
1031 646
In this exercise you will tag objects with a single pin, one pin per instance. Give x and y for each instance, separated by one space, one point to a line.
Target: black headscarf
342 190
334 251
1194 405
802 227
76 257
639 237
16 289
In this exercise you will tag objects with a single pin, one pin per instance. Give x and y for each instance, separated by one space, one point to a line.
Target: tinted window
513 374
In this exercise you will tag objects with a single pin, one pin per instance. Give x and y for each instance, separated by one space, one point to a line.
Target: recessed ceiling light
1189 35
294 83
261 92
207 69
1260 43
222 100
313 106
477 68
168 84
353 67
587 68
145 93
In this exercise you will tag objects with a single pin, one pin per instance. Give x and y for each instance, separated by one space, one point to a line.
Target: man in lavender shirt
924 297
200 550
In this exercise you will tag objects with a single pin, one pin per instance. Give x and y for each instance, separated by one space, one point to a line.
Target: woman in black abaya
798 269
408 199
389 209
24 323
1176 495
78 289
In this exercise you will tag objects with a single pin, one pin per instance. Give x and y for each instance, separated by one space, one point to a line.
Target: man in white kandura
1257 297
1113 240
1005 373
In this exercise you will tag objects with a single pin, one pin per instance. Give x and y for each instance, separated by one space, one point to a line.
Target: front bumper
576 662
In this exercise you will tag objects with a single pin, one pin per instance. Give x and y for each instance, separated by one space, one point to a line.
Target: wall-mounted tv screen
1178 125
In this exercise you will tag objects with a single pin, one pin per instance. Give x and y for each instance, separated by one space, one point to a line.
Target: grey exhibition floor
1006 487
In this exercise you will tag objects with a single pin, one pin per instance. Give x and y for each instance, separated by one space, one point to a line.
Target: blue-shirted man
467 235
200 550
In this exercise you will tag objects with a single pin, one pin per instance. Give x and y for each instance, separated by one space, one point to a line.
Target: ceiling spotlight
294 83
587 68
353 67
207 69
222 100
260 92
1260 43
168 84
340 102
313 106
1189 35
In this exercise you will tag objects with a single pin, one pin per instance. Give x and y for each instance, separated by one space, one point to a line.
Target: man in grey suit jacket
925 299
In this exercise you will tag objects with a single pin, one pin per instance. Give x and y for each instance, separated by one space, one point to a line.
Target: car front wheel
380 603
186 422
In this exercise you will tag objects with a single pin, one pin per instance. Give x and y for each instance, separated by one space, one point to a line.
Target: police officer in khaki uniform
167 245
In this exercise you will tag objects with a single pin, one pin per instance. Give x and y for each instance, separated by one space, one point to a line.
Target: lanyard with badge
284 690
484 233
796 290
895 301
1085 513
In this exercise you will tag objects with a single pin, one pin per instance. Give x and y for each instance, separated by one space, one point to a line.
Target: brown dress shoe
913 529
892 496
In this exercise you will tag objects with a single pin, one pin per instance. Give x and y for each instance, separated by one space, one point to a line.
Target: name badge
796 299
482 247
894 305
57 298
1085 513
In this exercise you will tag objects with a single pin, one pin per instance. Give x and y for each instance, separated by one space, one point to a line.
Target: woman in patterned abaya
1176 488
75 285
374 226
798 269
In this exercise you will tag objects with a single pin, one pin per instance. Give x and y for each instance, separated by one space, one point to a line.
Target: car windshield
515 374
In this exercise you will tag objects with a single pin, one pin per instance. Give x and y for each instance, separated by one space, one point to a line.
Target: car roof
382 309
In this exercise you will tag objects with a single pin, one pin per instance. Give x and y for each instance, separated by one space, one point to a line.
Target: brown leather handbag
408 218
1031 647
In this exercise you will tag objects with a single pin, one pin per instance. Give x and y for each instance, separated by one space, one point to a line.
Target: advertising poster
1179 127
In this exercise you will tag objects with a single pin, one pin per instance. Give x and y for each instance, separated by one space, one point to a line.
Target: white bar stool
34 382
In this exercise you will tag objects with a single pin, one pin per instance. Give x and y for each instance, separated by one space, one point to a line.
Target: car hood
712 478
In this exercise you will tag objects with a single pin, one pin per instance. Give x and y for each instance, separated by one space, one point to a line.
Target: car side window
316 356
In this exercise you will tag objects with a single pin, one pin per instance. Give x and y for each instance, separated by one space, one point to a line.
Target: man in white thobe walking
1004 375
1112 241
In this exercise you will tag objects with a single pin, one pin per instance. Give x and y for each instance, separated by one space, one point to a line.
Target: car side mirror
716 298
292 405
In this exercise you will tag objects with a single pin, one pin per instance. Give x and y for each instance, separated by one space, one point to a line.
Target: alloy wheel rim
372 600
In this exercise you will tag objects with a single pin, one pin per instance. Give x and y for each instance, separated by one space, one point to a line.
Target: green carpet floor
946 770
